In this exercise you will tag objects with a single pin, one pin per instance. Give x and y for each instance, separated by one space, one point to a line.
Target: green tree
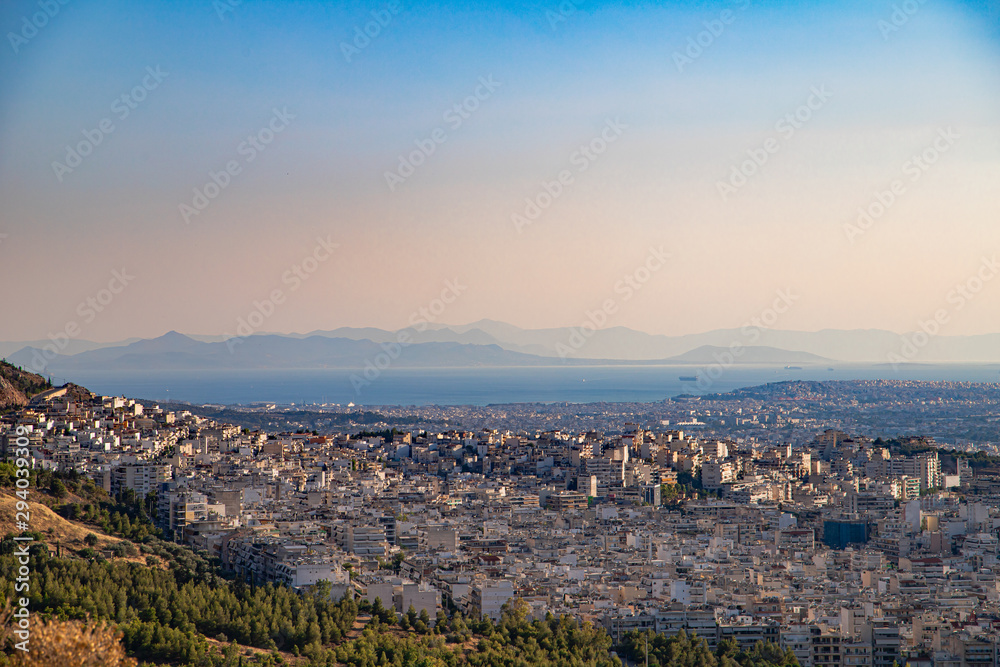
58 489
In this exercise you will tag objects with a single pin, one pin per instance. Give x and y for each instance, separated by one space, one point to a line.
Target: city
846 550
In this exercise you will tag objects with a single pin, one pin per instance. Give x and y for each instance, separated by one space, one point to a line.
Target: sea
486 386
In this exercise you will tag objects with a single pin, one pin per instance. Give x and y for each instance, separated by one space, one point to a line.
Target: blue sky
560 81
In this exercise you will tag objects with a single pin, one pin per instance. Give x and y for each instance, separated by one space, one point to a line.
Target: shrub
74 643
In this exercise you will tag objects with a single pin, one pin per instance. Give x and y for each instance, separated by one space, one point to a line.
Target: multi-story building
715 473
827 648
795 539
177 509
141 477
488 598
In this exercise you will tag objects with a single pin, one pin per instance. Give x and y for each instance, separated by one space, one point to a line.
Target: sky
309 165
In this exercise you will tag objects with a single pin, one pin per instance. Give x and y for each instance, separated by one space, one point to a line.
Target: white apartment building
488 598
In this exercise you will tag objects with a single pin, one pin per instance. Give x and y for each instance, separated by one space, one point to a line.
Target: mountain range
491 343
174 351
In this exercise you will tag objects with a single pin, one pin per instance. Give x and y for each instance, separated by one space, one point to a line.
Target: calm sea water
482 386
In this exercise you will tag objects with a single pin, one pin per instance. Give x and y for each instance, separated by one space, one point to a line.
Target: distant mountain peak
172 335
171 340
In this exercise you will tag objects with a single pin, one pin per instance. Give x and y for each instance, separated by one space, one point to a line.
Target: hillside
69 535
58 515
17 386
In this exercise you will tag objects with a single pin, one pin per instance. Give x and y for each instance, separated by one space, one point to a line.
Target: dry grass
56 529
48 523
255 653
73 644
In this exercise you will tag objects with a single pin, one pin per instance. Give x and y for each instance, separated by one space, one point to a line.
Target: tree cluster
167 615
684 650
125 518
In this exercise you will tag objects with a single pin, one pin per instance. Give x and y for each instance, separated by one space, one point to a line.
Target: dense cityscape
961 414
725 516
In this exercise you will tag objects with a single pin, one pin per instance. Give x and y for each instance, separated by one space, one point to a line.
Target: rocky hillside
18 386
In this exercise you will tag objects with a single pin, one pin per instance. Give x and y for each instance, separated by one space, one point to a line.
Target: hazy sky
670 99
